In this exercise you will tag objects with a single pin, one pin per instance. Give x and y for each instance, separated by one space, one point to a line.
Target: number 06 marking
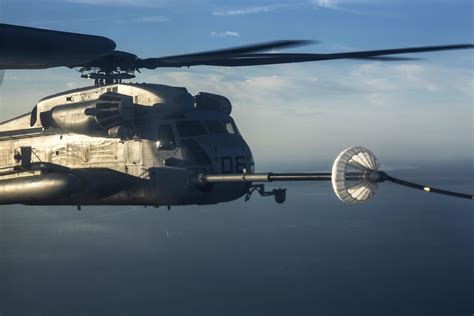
230 164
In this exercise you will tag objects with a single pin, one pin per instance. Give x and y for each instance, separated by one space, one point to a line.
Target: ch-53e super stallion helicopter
150 144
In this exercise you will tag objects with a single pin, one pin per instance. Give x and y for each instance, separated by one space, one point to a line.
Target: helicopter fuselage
133 144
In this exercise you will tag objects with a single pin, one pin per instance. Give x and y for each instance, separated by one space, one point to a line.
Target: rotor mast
110 69
105 78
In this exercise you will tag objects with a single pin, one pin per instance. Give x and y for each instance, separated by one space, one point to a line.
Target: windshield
220 127
190 128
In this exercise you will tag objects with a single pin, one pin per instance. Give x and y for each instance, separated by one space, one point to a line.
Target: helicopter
117 143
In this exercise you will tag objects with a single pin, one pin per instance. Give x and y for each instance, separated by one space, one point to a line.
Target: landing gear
278 194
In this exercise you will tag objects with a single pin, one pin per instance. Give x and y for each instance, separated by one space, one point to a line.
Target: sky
401 253
404 111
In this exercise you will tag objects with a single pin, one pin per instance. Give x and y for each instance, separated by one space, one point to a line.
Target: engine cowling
111 115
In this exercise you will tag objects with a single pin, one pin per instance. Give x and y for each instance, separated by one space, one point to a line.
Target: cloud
105 2
314 110
71 85
362 103
325 3
333 5
225 34
109 19
388 78
248 10
150 19
122 3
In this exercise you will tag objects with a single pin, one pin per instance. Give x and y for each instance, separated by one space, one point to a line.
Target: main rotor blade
32 48
203 57
285 58
428 189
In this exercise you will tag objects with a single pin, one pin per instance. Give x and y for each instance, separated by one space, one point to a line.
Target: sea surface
403 253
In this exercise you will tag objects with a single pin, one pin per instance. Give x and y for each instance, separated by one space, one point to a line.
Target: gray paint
89 165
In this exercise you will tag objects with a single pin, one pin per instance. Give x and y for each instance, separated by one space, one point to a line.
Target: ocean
403 253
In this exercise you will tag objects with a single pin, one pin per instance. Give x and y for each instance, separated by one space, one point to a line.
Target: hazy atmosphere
400 110
402 253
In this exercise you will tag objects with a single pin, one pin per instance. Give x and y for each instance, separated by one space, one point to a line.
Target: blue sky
406 110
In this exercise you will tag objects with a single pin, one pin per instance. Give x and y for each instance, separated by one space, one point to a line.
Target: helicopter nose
229 154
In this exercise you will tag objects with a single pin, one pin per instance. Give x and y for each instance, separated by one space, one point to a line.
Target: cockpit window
220 127
190 128
215 127
230 127
166 140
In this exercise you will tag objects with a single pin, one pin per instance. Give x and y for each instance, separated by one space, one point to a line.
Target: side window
34 116
190 128
166 140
